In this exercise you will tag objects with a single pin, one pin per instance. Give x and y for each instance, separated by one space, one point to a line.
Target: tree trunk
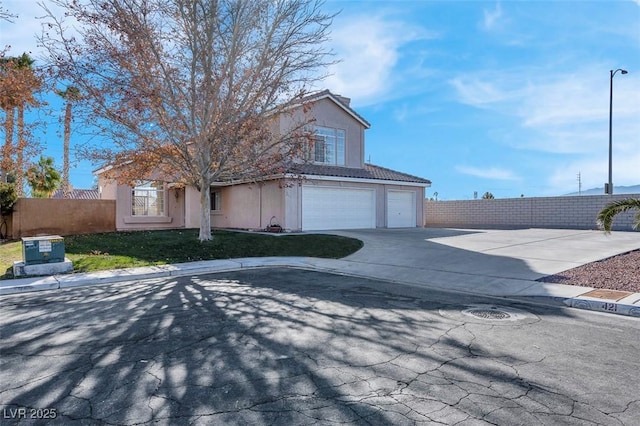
20 153
66 189
205 211
7 149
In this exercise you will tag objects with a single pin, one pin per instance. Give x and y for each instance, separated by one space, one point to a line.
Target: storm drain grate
490 314
495 315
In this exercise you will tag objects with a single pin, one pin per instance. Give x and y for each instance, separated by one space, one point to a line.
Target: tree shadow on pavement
269 346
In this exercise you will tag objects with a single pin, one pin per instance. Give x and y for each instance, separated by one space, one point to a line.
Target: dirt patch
621 272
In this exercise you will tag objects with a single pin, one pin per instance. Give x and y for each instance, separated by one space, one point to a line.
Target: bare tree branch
5 15
192 89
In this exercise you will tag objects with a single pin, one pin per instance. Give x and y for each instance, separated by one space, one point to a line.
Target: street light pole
609 186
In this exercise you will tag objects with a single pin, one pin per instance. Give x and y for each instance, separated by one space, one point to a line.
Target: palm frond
607 214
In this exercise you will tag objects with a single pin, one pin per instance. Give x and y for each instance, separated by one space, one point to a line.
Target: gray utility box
39 250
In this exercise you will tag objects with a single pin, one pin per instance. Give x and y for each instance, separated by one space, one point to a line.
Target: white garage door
401 209
337 208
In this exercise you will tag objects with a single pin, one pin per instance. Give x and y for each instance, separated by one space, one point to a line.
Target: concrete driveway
495 262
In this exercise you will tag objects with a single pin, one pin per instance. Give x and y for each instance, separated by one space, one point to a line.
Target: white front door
325 207
401 209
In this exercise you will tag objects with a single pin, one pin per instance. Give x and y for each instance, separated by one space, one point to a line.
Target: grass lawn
142 248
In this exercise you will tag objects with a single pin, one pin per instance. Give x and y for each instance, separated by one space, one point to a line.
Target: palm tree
43 178
70 95
488 196
25 66
8 104
606 215
19 82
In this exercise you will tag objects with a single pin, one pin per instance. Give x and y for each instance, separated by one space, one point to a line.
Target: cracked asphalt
286 346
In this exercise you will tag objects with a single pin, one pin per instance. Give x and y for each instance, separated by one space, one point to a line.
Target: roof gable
340 101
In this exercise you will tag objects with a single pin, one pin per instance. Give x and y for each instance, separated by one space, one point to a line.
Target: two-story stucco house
339 190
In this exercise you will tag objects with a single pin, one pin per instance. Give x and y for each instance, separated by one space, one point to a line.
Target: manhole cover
490 314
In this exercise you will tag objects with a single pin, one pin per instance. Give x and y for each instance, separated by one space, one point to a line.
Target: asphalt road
292 347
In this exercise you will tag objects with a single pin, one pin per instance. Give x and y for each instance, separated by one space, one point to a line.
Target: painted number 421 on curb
609 307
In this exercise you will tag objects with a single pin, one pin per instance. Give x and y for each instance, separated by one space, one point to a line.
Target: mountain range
633 189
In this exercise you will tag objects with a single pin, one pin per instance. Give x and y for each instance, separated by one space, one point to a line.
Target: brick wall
574 212
47 216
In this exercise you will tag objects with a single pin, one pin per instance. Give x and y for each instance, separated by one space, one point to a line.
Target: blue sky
510 97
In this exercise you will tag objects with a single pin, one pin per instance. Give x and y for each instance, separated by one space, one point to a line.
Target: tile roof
388 174
79 194
369 171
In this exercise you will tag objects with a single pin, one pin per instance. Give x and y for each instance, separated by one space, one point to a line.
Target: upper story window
148 199
328 146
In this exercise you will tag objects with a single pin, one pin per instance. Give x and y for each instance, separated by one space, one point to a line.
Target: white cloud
571 113
578 98
487 173
369 49
480 92
407 111
564 113
492 17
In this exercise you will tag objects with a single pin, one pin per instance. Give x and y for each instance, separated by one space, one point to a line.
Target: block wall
570 212
46 216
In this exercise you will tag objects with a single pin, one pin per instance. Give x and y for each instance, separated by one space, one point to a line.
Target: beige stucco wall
249 206
253 206
327 114
108 188
292 206
174 211
191 207
273 206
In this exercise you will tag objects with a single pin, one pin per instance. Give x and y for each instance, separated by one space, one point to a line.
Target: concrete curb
629 308
24 285
570 296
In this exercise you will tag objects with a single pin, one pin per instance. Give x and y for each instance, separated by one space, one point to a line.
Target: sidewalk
527 290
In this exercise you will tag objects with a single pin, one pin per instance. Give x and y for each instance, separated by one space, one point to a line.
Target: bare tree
190 89
5 15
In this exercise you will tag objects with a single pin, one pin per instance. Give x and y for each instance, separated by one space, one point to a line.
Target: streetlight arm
619 69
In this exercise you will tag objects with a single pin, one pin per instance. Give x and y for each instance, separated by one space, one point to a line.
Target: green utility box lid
46 249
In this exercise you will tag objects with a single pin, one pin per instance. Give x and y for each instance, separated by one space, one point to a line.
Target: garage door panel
401 209
337 208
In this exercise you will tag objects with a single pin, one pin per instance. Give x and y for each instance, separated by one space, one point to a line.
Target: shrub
8 198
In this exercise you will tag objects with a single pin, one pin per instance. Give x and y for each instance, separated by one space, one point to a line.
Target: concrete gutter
527 290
